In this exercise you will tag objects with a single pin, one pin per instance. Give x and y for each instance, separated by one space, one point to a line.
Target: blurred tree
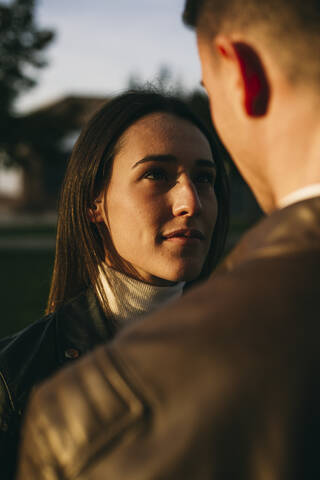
22 44
21 54
164 81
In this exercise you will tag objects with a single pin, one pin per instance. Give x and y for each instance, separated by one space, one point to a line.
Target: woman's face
160 205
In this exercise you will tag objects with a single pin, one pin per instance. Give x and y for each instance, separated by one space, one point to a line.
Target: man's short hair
291 28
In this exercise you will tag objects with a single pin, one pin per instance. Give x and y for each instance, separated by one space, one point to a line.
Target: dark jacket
222 385
37 352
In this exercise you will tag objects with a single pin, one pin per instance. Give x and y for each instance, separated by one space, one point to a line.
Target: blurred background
59 61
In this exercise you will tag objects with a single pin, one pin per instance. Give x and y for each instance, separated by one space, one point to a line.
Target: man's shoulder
286 232
220 345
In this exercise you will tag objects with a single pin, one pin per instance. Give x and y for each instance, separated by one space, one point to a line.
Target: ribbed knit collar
129 298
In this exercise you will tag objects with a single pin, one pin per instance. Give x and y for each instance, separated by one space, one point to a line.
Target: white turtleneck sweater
129 298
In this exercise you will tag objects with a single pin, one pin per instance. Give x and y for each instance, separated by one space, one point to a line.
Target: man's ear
96 212
254 81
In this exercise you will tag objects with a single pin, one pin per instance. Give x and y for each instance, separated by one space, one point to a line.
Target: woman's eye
156 174
205 177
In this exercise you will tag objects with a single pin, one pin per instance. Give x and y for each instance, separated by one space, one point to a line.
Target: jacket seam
8 390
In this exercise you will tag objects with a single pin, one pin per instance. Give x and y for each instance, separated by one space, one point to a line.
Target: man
225 383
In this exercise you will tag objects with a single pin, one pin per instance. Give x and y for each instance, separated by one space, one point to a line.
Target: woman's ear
250 72
96 212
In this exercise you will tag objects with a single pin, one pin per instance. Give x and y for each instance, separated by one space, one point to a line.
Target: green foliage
21 54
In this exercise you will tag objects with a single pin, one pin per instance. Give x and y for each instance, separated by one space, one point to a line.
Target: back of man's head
290 28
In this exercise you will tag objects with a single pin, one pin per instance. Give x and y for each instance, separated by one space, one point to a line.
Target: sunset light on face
160 204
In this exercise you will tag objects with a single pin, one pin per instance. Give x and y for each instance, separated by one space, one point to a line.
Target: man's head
258 57
290 28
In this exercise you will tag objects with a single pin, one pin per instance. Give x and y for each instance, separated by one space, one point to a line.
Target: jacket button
4 426
72 353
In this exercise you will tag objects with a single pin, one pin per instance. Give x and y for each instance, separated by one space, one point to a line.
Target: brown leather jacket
222 385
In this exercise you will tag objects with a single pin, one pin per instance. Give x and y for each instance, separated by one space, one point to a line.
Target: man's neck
292 155
309 191
300 169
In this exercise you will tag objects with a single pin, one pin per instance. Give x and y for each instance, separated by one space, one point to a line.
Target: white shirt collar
309 191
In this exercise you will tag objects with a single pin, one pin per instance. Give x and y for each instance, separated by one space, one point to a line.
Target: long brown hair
81 244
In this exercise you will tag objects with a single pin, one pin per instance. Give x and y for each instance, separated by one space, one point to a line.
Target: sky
99 44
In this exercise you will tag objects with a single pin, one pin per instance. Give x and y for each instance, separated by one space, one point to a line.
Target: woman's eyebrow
205 163
156 158
172 159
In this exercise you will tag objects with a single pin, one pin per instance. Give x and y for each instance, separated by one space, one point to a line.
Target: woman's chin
171 273
188 273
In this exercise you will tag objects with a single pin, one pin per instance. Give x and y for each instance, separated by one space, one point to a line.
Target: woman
143 214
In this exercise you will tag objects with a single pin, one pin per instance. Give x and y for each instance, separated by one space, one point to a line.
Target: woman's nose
186 199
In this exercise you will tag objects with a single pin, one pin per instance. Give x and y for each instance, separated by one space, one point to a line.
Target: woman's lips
184 236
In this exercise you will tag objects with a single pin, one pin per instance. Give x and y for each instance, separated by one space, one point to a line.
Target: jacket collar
80 326
286 231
